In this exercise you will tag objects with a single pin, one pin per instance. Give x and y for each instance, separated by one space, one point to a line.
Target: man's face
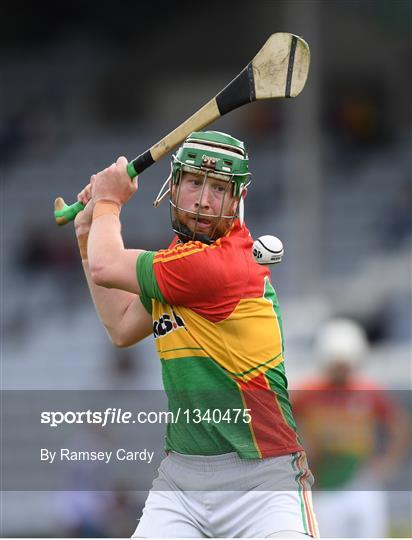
200 204
339 371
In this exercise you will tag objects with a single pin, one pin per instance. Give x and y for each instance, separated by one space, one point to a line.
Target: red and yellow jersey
340 426
218 332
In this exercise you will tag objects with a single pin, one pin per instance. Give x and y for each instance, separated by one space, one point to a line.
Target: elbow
122 338
119 338
100 275
121 342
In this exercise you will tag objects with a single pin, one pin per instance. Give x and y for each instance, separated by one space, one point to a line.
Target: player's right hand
114 183
83 219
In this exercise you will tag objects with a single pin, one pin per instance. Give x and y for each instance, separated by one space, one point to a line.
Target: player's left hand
113 183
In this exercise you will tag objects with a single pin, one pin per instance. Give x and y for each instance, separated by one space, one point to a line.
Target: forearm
105 243
110 269
110 264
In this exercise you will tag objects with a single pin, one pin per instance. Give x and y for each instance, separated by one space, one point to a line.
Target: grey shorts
228 497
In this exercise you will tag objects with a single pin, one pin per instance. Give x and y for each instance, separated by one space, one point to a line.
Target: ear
244 193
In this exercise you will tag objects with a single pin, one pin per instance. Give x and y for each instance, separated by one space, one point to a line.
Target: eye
195 182
219 188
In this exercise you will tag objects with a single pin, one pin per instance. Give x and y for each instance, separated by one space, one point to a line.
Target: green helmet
219 154
210 154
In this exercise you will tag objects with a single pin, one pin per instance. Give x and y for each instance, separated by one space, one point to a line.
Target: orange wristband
82 241
103 207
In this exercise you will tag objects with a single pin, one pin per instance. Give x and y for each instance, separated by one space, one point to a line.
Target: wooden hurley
279 70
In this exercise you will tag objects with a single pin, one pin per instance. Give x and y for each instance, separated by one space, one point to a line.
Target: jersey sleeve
147 281
195 274
179 276
208 279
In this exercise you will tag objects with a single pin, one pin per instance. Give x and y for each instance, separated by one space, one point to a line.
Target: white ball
267 249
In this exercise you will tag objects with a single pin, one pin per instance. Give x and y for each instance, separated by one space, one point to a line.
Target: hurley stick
279 70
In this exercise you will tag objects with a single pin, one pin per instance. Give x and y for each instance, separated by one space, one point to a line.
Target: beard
182 223
186 235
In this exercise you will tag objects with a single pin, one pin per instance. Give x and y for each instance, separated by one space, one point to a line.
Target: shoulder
197 274
225 256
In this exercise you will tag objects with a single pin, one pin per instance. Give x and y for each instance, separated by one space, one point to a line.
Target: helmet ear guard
173 178
163 193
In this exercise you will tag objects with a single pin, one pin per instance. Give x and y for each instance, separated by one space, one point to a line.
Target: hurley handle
64 213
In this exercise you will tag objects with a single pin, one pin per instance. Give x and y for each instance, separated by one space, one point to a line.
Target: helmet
221 155
211 154
341 340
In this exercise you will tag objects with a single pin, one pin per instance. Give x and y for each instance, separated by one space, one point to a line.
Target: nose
205 199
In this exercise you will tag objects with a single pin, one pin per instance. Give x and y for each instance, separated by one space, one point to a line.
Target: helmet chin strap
186 235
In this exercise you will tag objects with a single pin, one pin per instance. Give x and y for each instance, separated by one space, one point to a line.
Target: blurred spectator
356 117
13 137
80 514
98 514
34 128
263 123
45 249
122 509
49 255
343 419
81 510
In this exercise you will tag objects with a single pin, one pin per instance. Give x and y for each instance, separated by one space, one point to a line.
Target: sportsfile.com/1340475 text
113 415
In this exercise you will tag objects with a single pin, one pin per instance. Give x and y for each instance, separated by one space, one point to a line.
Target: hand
113 183
83 219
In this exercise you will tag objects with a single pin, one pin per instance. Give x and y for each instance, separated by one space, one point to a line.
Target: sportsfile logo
166 324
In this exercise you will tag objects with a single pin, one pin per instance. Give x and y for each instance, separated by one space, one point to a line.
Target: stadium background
82 83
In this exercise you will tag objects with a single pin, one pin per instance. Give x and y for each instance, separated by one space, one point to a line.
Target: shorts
225 496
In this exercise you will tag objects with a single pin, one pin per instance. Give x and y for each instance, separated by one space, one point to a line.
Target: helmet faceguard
209 155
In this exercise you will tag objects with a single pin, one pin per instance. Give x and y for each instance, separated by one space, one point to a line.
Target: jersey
340 426
218 332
